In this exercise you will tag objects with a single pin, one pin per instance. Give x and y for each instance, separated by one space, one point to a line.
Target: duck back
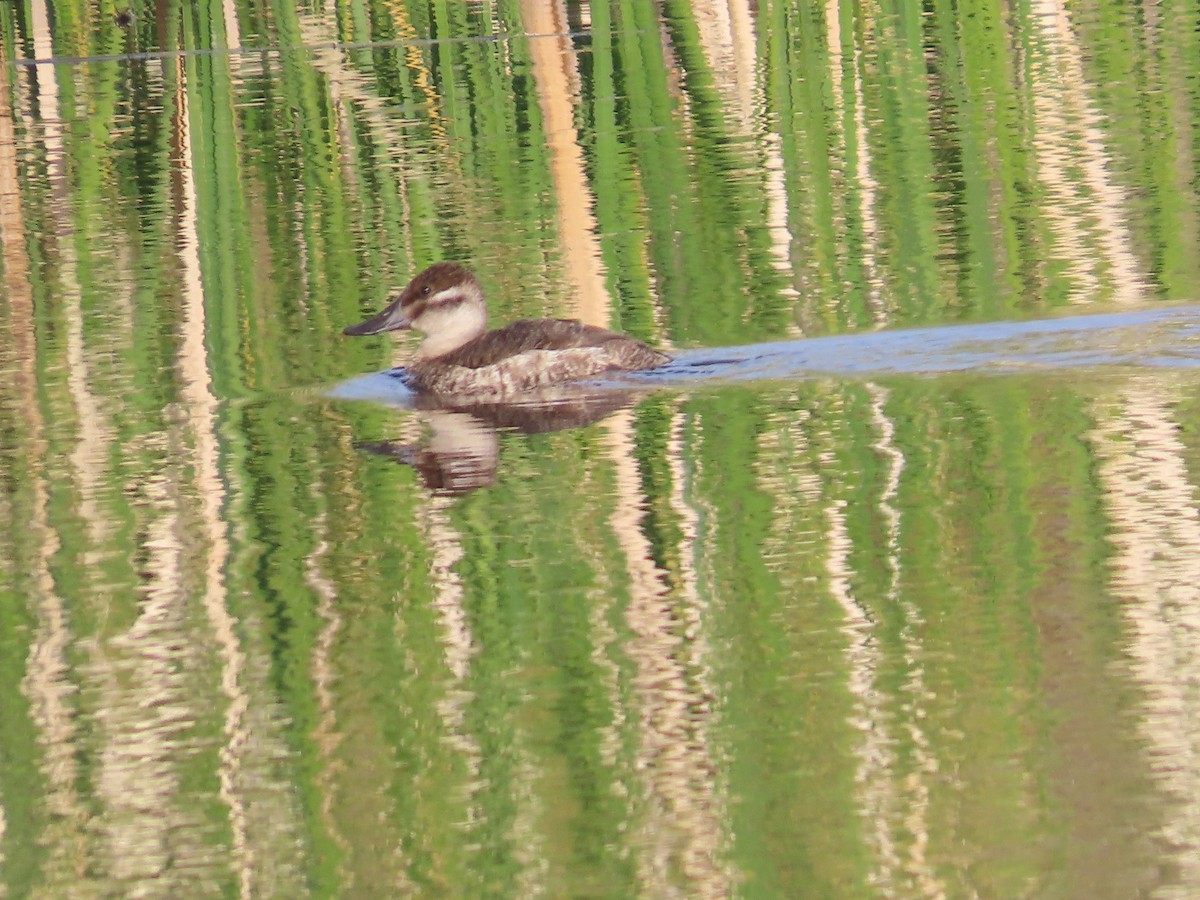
526 335
531 354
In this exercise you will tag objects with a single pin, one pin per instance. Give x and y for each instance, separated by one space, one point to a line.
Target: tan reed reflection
877 793
458 644
45 684
799 490
48 682
729 39
233 34
1154 511
200 406
911 787
680 840
140 678
143 703
18 292
864 188
557 80
695 612
606 651
892 790
1086 206
327 735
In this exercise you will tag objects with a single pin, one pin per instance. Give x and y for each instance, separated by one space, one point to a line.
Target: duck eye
425 290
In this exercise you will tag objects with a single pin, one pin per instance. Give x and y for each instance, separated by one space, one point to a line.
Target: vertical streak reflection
201 407
802 492
1075 168
71 848
326 735
44 683
696 612
682 836
729 41
557 87
892 788
458 642
864 658
232 32
858 152
1155 529
915 785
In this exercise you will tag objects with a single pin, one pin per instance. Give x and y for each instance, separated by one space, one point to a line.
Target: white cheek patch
451 318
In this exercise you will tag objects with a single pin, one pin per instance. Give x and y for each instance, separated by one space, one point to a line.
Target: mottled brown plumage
524 335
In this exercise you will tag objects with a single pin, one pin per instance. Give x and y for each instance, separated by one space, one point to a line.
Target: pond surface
889 585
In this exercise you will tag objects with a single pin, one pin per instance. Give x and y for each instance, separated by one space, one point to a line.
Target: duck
459 357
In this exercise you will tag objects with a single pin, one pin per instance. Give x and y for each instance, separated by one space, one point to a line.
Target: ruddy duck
460 357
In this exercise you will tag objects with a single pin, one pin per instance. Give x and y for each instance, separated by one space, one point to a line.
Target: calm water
888 586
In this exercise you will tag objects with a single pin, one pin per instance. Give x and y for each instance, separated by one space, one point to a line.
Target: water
885 586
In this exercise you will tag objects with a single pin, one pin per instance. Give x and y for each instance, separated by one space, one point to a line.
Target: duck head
445 303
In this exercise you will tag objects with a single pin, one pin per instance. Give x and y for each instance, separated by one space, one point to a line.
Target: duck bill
392 318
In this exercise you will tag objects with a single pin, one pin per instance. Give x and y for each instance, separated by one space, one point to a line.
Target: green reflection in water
826 637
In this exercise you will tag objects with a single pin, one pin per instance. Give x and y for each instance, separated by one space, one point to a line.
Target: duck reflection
462 450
